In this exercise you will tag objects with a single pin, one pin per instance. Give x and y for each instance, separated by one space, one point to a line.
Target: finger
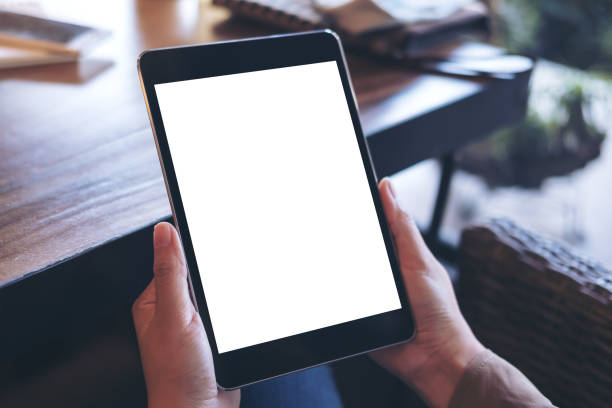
173 304
411 247
229 398
143 309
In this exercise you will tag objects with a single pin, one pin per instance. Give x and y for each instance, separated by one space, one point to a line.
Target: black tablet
275 198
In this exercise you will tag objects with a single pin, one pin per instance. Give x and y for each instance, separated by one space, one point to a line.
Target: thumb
170 275
413 253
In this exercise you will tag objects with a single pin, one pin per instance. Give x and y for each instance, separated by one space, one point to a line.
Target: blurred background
552 171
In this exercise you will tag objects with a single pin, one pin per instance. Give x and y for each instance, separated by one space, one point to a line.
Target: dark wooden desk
77 160
79 179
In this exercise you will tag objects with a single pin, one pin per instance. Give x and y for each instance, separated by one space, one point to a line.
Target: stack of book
387 28
27 39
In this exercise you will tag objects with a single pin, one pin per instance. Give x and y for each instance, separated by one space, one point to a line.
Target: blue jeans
310 388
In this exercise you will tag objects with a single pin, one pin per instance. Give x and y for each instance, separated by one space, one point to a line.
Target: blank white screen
277 201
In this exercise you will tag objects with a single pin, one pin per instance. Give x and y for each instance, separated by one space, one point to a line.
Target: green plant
573 32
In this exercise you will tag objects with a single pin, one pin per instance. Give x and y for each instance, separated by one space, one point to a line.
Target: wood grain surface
77 159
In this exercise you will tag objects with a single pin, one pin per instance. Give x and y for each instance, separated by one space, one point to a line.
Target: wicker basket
543 308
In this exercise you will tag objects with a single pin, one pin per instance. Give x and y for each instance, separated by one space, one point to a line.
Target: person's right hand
176 359
434 361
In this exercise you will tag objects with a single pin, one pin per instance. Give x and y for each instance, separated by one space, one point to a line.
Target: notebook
398 40
12 57
36 32
28 38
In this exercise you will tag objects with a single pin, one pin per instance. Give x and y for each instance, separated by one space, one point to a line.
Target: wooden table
77 160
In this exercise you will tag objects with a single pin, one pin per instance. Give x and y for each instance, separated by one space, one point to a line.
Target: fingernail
161 235
392 189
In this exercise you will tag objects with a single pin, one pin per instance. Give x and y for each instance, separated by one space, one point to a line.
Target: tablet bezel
262 361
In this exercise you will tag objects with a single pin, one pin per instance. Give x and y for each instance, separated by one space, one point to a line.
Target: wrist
439 378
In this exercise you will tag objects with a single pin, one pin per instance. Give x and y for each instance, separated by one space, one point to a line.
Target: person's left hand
176 357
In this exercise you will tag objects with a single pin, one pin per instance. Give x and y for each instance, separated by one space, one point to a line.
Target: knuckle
136 306
406 216
164 268
172 266
407 221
